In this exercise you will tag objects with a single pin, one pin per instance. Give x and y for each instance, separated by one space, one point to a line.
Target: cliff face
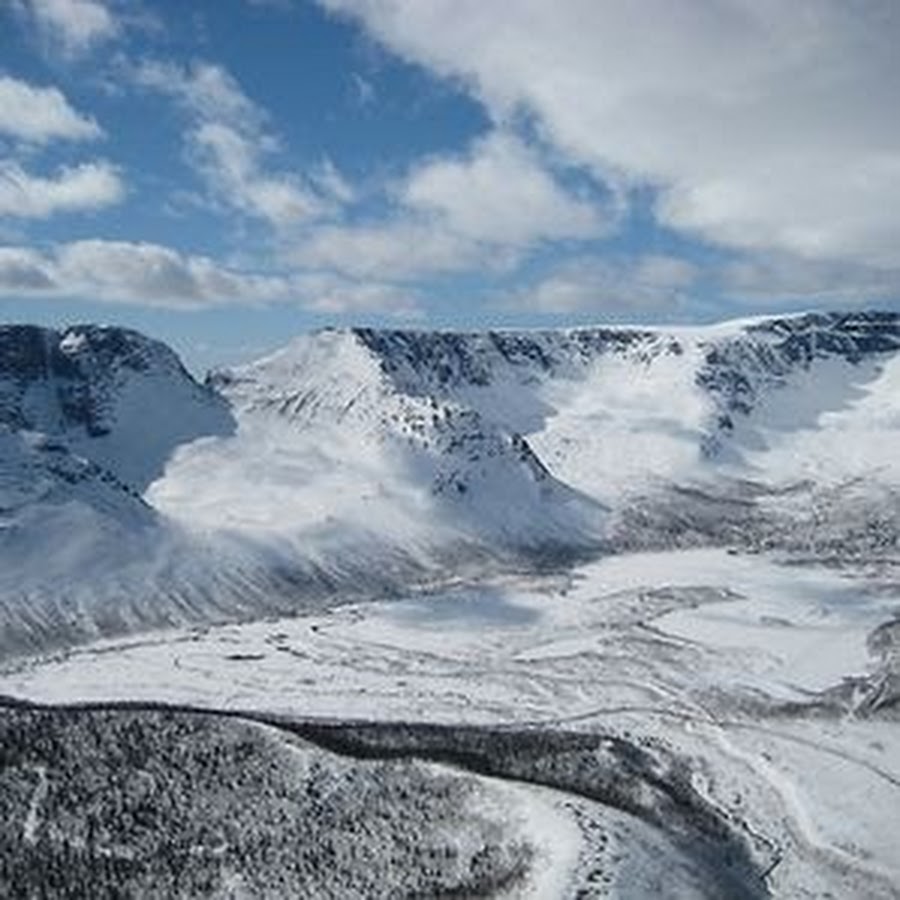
111 395
606 410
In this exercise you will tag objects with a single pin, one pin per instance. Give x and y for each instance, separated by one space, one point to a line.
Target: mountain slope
327 437
356 462
114 396
597 404
88 417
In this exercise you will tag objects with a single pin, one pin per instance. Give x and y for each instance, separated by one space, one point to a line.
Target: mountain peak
118 398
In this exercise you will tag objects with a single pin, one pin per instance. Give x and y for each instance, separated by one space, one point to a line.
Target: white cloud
762 124
133 273
25 271
499 193
40 114
87 186
149 273
654 283
144 274
450 212
483 209
647 283
230 161
76 26
767 279
326 293
229 143
397 249
331 183
205 90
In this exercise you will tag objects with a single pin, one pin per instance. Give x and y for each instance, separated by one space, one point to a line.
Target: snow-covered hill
359 461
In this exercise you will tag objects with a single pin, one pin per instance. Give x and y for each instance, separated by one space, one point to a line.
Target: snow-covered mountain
360 460
327 435
111 395
88 418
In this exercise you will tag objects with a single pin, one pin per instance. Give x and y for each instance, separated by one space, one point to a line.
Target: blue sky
225 174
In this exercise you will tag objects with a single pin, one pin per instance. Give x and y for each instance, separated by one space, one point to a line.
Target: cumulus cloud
328 293
774 279
40 114
484 208
145 274
764 125
149 273
395 249
229 144
88 186
75 26
500 192
24 271
649 283
131 273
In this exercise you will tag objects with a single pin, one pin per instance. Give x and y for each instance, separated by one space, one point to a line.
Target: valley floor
746 689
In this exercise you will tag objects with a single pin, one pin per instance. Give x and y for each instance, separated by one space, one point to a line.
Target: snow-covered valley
661 563
760 678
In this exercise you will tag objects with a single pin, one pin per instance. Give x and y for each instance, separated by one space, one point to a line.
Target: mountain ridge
396 456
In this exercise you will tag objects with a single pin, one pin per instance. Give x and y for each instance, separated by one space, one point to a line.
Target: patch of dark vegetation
118 800
162 803
642 781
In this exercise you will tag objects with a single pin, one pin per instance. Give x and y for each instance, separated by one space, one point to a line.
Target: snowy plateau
598 612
